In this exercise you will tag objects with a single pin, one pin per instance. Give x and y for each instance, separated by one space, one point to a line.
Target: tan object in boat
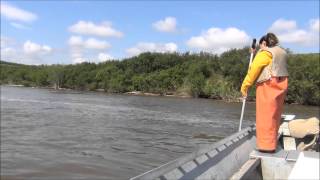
299 128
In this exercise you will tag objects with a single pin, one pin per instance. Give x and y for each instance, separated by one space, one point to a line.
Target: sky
69 32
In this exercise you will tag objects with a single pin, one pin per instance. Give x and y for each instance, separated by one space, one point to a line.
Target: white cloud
218 40
288 32
80 48
104 57
314 25
104 29
7 49
25 53
79 60
91 43
75 41
32 48
282 25
151 47
14 13
296 37
6 41
19 26
7 53
80 57
167 25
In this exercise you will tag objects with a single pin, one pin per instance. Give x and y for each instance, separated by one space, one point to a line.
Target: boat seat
279 153
289 142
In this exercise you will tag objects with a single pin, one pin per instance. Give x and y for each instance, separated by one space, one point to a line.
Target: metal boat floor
280 153
278 165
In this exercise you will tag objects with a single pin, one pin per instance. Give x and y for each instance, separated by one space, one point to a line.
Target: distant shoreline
140 93
137 93
200 75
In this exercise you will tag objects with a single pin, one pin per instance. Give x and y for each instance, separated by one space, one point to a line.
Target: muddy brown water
47 134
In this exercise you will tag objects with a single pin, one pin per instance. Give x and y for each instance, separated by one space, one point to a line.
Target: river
48 134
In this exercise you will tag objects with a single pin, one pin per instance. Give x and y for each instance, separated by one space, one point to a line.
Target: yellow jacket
262 59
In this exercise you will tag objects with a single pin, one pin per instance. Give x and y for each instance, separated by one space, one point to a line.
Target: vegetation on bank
198 75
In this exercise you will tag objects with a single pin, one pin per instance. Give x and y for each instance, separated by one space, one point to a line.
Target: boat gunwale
165 168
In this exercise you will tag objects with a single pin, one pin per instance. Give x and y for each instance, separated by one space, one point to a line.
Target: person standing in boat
269 70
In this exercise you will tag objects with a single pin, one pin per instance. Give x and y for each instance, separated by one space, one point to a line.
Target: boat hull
218 161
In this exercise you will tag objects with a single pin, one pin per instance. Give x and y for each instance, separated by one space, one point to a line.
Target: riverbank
197 75
141 93
186 95
170 94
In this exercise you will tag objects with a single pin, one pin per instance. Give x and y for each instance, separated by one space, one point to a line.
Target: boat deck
279 165
234 157
216 161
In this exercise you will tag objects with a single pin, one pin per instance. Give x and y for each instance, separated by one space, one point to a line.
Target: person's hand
244 91
252 50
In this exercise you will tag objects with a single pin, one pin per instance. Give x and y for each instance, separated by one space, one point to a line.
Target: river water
47 134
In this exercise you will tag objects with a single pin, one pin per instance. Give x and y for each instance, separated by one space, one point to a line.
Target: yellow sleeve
261 60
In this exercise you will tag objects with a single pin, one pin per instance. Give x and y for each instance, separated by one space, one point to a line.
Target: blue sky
67 32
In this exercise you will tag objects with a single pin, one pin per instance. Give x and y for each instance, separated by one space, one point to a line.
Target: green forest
198 75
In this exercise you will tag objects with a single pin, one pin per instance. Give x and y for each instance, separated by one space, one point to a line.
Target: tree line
198 75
